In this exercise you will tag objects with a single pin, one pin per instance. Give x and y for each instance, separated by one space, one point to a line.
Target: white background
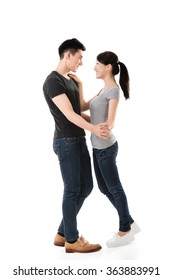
139 32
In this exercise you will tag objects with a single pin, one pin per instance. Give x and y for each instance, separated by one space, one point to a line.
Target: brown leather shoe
81 246
59 240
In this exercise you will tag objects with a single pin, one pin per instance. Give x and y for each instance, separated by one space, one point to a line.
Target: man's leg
74 163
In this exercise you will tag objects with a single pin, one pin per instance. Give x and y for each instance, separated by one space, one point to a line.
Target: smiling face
101 70
74 60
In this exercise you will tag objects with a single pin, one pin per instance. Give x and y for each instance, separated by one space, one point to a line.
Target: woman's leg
112 188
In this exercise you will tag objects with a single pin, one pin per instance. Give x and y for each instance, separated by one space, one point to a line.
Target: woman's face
100 70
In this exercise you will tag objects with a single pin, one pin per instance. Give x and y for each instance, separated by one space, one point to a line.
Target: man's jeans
109 183
75 168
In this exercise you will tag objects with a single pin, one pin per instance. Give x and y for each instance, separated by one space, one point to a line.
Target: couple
64 96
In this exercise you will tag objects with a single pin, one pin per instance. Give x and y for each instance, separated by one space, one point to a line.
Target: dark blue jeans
75 168
109 183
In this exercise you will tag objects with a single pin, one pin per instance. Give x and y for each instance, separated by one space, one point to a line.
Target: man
62 96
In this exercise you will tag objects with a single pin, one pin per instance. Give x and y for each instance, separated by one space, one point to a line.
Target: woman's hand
104 131
75 77
109 125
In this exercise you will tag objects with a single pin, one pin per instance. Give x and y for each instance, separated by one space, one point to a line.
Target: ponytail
124 80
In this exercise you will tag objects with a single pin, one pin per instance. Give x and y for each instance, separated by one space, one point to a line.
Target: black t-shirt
54 85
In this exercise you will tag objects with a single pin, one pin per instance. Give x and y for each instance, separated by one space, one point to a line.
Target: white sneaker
135 228
117 240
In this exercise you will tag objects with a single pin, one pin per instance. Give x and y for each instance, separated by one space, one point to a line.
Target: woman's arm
86 117
113 104
84 105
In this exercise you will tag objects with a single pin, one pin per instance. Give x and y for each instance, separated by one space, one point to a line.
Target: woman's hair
72 44
117 67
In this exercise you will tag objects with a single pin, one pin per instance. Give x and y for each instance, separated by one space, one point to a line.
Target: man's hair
72 44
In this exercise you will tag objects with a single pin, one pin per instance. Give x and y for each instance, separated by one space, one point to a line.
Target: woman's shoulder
113 93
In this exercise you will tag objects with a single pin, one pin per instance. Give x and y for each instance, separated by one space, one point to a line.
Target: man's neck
62 70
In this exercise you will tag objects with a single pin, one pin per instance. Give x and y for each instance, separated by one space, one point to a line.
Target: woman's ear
109 67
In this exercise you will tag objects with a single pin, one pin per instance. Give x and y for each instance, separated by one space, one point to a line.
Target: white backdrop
139 32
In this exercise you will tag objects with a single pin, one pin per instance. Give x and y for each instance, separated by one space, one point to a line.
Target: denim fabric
109 183
75 168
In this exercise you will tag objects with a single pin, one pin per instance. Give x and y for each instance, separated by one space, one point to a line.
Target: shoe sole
60 244
77 251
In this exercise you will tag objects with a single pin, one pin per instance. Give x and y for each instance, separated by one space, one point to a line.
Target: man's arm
64 105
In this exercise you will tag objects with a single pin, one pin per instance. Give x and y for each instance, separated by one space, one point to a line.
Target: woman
103 109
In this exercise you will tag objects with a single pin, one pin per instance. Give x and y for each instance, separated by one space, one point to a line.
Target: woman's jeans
75 168
109 183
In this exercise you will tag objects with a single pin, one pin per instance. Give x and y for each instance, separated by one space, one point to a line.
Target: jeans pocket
59 150
100 153
107 153
71 140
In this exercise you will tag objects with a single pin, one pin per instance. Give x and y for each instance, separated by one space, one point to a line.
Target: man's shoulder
53 79
54 85
54 75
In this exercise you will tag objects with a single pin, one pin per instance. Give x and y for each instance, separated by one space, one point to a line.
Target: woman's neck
108 83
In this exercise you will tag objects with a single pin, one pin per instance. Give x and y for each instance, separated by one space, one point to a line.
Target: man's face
74 61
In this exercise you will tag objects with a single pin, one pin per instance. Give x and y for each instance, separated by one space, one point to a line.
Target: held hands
102 131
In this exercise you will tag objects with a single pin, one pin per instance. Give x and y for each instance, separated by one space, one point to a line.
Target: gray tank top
99 114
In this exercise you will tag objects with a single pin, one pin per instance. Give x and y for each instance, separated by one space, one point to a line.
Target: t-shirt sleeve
55 88
114 93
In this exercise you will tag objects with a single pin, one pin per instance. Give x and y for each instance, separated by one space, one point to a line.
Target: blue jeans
109 183
75 168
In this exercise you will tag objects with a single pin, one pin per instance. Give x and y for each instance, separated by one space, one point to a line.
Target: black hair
72 44
117 67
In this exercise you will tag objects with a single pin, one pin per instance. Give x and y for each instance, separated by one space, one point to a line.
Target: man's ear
67 54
